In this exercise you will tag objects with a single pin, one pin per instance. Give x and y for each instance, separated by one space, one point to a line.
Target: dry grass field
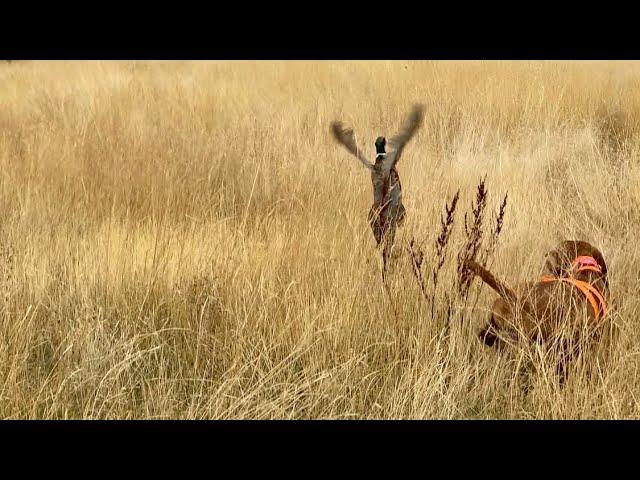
186 240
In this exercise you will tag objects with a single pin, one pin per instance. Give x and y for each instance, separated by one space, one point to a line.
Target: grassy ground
185 240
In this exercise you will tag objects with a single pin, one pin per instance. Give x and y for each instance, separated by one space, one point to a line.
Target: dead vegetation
184 240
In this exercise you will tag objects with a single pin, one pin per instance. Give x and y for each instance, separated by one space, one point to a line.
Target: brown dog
542 311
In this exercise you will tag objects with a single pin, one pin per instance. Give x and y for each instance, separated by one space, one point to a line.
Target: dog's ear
553 263
597 255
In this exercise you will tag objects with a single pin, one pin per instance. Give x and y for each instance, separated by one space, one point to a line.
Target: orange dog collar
591 293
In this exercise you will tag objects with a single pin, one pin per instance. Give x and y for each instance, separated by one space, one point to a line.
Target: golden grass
185 240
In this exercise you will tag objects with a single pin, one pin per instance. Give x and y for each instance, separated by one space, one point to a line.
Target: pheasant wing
345 137
398 142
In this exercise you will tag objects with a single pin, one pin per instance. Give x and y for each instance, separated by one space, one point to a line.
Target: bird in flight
387 211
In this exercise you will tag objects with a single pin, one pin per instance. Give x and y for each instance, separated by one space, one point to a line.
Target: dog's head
579 259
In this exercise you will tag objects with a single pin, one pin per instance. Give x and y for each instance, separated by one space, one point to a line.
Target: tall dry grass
184 239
